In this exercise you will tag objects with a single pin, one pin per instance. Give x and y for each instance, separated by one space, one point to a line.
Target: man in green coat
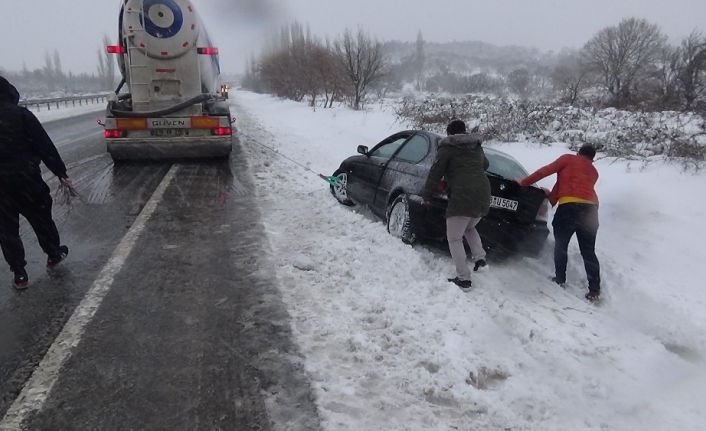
461 161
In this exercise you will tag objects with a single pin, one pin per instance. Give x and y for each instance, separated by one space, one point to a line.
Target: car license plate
167 132
502 203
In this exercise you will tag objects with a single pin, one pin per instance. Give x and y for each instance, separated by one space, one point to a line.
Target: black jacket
23 141
461 160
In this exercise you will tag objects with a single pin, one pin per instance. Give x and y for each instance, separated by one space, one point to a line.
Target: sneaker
561 284
463 284
52 262
481 265
593 296
21 279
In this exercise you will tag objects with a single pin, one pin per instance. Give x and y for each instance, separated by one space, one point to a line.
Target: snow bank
44 115
620 133
390 345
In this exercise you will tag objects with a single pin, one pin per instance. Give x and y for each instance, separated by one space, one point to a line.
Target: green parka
460 159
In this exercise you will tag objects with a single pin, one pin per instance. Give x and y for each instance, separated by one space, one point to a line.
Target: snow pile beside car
390 344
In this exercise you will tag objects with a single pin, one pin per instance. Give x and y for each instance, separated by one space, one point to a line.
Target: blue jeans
581 219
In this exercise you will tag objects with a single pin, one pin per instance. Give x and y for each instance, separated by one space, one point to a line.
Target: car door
404 171
365 175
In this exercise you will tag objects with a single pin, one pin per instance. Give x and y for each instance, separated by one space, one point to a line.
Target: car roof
435 136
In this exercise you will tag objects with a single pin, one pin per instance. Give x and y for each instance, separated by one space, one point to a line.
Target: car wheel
398 221
339 191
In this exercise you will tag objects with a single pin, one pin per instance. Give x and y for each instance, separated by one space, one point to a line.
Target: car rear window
504 166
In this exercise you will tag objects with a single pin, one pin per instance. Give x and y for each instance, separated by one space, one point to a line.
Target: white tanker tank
174 106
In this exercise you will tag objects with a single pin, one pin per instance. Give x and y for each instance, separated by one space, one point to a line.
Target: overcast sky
76 27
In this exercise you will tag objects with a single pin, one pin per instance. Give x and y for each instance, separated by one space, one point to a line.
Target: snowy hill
390 345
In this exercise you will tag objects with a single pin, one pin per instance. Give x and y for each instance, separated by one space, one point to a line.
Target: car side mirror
362 149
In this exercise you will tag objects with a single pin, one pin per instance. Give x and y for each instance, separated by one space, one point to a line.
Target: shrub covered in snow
674 135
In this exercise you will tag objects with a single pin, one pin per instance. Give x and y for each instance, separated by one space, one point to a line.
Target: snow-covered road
390 345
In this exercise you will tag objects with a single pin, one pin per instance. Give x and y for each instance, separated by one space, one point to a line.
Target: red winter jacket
576 177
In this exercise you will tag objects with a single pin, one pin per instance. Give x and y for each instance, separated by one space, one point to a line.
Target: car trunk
515 203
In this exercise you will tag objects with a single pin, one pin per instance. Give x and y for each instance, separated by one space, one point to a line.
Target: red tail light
222 131
543 213
441 187
544 209
207 51
113 134
115 49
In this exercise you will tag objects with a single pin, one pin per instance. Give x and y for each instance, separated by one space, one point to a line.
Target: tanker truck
175 105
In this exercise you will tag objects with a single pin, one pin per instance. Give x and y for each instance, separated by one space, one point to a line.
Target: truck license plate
168 132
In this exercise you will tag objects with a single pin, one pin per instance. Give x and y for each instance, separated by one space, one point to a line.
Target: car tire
340 192
399 224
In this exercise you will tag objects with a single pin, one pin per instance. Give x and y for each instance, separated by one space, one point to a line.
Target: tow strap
332 180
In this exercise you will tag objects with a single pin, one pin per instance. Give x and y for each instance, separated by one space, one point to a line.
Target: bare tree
49 70
287 67
364 62
59 76
328 70
690 65
102 69
420 61
666 78
571 78
57 63
519 81
109 64
620 55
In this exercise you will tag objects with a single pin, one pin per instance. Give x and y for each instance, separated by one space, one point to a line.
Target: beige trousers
456 229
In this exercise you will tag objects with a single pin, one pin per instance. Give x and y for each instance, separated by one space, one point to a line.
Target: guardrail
65 101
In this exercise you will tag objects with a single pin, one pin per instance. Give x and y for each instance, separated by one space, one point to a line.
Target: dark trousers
32 200
581 219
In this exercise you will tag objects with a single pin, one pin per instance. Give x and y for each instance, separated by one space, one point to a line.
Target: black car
389 178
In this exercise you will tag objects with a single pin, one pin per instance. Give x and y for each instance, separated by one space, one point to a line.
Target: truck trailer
175 105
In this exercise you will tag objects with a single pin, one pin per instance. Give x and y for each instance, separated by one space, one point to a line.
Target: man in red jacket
577 212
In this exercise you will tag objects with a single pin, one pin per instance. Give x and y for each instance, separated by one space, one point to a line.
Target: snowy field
390 345
44 115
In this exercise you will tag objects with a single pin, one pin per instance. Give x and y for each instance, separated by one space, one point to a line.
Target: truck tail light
222 131
209 50
113 133
115 49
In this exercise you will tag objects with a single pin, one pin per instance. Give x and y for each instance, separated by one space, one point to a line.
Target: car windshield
504 166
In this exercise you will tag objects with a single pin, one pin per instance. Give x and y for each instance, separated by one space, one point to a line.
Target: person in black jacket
461 160
23 145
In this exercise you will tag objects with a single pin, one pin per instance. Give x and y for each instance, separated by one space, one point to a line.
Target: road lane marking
38 387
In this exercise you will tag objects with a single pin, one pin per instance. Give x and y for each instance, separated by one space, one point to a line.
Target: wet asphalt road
191 335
